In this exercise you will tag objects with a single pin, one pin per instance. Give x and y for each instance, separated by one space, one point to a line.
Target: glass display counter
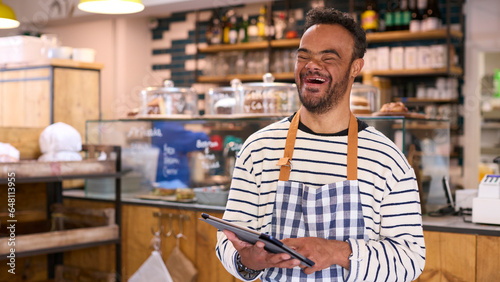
201 151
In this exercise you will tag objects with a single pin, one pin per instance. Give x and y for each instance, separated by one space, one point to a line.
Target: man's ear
356 67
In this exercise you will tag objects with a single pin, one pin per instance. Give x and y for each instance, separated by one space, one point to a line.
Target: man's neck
332 121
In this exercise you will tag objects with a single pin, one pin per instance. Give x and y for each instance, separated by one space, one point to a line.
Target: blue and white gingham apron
332 211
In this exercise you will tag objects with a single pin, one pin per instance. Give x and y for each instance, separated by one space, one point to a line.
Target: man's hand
323 252
256 258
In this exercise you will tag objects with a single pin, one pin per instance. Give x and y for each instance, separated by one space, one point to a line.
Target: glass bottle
253 31
389 17
243 30
225 29
405 15
416 17
233 29
432 17
280 26
216 32
369 18
261 23
398 16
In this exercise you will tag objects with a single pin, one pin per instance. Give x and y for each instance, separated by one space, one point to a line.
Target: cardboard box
410 54
383 55
20 49
423 57
397 58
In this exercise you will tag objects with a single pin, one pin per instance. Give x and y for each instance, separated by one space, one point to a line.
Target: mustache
315 73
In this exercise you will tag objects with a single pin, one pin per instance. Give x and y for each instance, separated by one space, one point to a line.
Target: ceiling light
7 17
111 6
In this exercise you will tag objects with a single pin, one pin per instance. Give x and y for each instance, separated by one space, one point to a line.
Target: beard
324 103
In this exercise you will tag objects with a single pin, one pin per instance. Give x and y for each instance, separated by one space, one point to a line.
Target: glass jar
224 100
169 101
365 99
269 97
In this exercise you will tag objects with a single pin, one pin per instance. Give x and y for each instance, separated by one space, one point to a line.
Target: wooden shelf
57 241
285 43
291 76
490 151
415 72
425 100
390 36
234 47
491 115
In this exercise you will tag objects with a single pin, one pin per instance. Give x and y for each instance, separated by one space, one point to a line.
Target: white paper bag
152 270
60 137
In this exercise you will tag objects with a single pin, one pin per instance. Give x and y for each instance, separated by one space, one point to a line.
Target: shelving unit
389 36
56 242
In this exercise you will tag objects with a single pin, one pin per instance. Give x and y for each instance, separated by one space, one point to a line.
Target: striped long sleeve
395 250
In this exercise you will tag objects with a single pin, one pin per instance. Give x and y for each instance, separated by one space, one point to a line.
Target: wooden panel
27 269
100 258
12 110
25 98
136 237
23 139
210 268
449 257
488 258
458 256
37 103
432 270
76 97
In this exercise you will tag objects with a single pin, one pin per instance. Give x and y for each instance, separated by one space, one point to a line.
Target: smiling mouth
314 80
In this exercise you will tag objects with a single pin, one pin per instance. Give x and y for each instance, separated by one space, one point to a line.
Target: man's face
322 68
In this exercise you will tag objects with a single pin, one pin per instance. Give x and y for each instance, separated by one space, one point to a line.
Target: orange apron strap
285 162
352 149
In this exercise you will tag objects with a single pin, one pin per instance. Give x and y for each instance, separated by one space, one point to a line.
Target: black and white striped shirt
395 250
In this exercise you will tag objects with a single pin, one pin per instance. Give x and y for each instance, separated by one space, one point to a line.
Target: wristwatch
244 271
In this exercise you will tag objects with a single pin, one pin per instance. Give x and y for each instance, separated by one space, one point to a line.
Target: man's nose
313 65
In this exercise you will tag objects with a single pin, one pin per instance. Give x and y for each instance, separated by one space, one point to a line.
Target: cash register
486 206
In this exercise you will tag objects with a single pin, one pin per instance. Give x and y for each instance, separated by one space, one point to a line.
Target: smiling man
324 183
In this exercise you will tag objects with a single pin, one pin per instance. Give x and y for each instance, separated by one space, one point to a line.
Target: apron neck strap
352 149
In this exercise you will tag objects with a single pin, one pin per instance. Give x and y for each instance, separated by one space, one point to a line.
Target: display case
201 151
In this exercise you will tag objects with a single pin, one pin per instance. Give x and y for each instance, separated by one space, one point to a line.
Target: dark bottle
416 17
398 16
405 15
233 29
389 17
369 17
432 17
243 29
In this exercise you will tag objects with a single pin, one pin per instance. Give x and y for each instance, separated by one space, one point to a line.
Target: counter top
456 224
133 200
452 224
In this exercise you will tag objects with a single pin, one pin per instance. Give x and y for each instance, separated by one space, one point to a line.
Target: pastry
225 106
256 102
360 105
394 107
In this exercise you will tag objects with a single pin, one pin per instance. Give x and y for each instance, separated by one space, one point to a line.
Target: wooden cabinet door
209 266
488 258
76 97
137 222
449 257
25 98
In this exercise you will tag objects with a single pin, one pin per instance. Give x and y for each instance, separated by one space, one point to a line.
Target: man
327 185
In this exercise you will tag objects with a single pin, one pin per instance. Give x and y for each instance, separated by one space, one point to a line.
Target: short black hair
322 15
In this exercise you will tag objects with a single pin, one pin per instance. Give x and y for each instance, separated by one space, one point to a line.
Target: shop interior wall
482 22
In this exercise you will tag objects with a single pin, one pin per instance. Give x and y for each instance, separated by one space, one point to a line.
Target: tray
170 198
403 114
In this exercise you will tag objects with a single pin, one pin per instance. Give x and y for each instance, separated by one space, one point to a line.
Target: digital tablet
272 244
